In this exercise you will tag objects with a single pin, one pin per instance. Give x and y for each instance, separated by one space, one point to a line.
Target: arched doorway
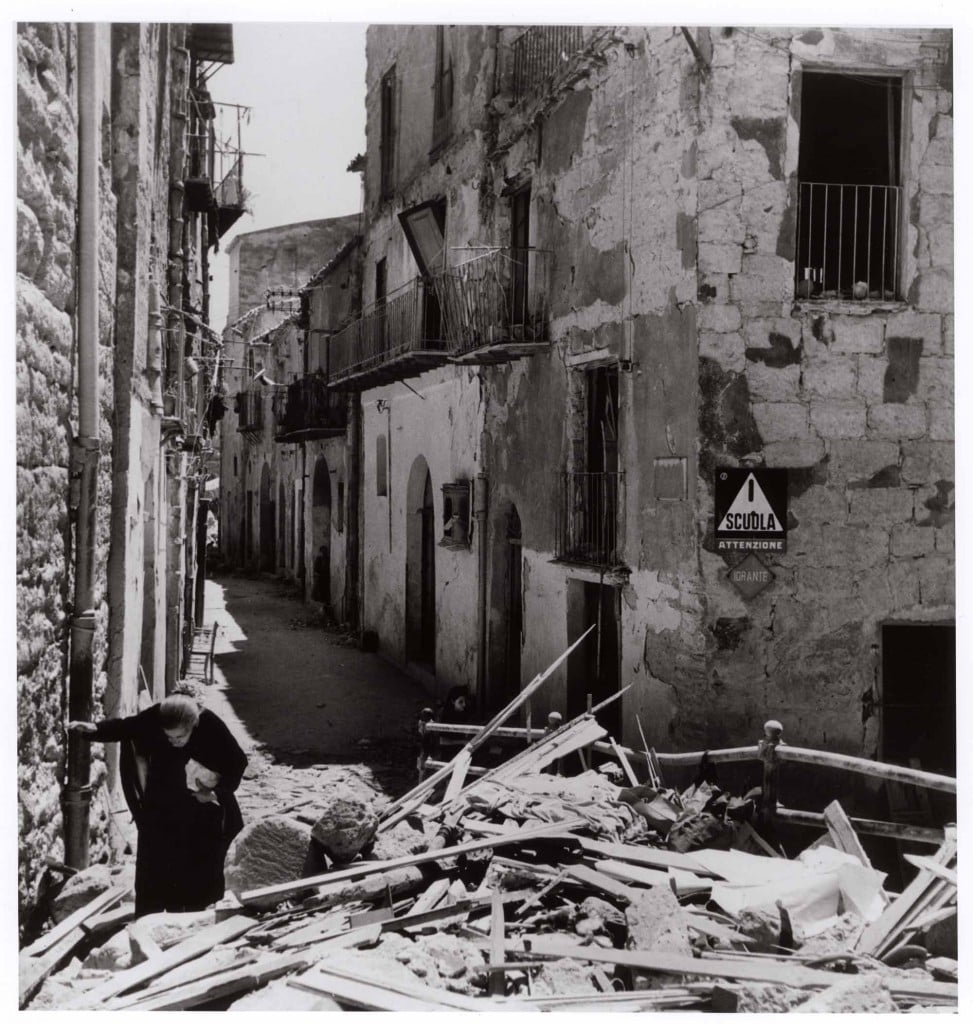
506 607
420 568
268 554
321 532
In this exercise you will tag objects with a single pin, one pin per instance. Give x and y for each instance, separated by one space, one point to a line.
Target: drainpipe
480 517
76 795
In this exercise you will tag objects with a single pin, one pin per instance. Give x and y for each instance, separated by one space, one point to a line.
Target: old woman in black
179 774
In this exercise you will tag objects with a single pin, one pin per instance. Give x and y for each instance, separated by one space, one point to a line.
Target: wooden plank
190 973
865 826
110 921
196 945
373 867
624 762
34 970
234 981
746 833
141 938
650 877
595 880
431 898
897 912
843 833
458 778
934 868
402 805
649 856
98 905
750 969
495 982
380 993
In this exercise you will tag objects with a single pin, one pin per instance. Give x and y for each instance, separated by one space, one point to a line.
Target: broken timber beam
374 867
404 804
866 826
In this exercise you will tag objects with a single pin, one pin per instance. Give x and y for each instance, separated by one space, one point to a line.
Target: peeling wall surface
666 185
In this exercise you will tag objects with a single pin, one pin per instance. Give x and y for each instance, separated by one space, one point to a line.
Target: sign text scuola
751 509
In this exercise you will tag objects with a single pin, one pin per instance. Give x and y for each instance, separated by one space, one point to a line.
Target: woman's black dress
182 842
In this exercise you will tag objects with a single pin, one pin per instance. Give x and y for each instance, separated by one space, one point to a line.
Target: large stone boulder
267 852
346 825
657 923
80 890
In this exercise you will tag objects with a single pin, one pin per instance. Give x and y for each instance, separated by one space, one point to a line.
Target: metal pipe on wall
76 794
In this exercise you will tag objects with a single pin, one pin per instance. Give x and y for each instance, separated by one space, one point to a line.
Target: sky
305 85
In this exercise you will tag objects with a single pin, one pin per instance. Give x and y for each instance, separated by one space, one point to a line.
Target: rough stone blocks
912 324
881 506
794 454
838 419
781 421
834 377
897 421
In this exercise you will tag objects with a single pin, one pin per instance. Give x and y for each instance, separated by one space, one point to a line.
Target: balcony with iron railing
250 410
848 242
307 410
214 168
495 304
538 53
397 338
586 525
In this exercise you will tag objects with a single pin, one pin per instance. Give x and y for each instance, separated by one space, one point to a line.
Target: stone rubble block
911 541
165 929
79 890
774 384
936 382
835 377
937 584
897 421
933 290
871 378
762 331
838 419
657 923
267 852
925 462
936 179
883 506
402 840
114 955
725 349
781 421
718 318
946 539
720 258
865 993
346 825
913 324
794 454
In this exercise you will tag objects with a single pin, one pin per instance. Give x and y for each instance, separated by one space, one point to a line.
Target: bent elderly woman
179 775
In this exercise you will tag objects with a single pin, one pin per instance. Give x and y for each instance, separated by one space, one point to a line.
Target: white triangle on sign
750 511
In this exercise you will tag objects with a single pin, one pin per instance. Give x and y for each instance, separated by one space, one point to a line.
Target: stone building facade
159 212
599 266
283 446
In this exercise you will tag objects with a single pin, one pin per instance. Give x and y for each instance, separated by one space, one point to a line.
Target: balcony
214 168
847 242
250 411
539 52
308 410
495 305
397 338
586 528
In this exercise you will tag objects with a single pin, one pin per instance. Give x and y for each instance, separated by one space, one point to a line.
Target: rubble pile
518 887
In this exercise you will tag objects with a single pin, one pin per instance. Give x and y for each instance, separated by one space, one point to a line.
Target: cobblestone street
309 708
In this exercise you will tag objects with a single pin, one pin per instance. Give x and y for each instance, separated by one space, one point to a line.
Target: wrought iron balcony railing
396 338
496 303
586 529
250 410
847 241
539 52
307 409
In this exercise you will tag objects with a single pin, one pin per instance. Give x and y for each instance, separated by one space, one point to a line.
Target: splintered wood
528 890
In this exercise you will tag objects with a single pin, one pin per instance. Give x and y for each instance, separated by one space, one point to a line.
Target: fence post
767 752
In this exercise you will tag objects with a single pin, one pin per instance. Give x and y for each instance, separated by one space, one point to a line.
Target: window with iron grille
849 234
387 138
442 102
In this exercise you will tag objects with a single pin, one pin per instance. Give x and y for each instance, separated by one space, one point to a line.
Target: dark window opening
387 140
381 466
442 90
849 201
919 711
519 254
594 669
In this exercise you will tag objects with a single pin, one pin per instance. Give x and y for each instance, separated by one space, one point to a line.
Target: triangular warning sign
750 511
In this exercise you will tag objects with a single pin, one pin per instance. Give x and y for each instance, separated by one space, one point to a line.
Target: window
850 199
339 523
381 466
456 514
442 90
387 139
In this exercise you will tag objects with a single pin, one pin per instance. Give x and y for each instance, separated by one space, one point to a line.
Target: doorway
321 532
420 568
594 669
268 552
